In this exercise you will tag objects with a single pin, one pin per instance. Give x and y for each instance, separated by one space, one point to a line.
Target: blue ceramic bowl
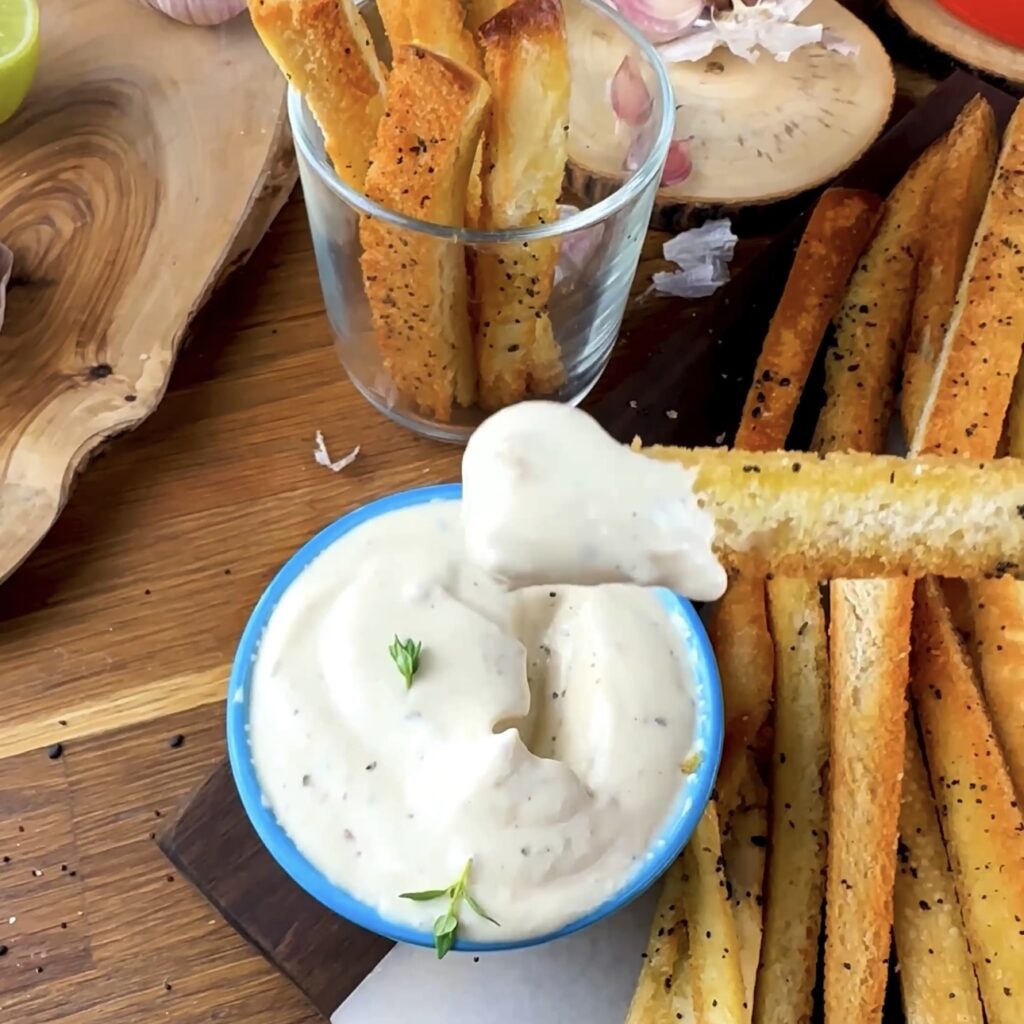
683 820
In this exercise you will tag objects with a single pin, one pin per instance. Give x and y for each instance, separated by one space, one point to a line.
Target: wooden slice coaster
943 30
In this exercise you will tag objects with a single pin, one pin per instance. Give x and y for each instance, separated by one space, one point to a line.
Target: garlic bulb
198 12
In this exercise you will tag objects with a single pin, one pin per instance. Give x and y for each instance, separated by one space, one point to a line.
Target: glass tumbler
581 265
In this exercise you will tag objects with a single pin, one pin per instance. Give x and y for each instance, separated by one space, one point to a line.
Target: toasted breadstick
973 380
858 516
417 285
936 973
997 632
981 819
716 978
869 676
527 65
440 26
999 649
325 50
840 227
795 882
860 375
738 630
872 323
961 185
744 845
663 988
437 24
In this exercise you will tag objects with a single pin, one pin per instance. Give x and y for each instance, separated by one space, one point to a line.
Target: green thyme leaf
477 909
426 894
444 943
406 656
446 923
446 926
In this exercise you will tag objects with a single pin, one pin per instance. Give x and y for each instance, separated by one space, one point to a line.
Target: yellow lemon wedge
19 52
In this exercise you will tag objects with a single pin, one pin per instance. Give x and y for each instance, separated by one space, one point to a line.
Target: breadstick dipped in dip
548 496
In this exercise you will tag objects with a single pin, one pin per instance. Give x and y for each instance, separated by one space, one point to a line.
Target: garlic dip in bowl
422 748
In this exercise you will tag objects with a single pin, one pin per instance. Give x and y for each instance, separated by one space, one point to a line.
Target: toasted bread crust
869 680
840 226
999 650
440 26
716 977
744 853
980 817
795 881
973 380
936 973
954 210
663 988
859 516
738 630
437 24
526 63
417 285
324 49
871 326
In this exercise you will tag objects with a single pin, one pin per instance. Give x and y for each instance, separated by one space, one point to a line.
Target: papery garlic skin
198 12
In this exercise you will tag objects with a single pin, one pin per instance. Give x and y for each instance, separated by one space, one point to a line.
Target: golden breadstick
973 380
872 321
440 26
526 62
961 185
837 232
858 516
716 979
936 973
325 50
795 883
437 24
417 285
980 816
744 850
869 674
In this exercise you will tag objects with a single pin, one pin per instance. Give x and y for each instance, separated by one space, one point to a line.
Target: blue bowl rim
692 801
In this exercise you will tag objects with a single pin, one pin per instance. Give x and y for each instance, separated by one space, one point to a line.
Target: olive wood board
148 160
675 382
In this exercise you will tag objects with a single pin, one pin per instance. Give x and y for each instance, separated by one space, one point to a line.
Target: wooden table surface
116 636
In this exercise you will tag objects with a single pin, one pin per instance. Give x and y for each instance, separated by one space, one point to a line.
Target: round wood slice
759 132
147 161
943 30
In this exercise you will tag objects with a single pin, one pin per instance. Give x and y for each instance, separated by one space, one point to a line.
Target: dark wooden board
698 367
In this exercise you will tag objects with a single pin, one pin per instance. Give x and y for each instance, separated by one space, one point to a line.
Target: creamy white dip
548 496
542 735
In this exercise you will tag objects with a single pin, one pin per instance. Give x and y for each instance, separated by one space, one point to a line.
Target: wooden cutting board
146 163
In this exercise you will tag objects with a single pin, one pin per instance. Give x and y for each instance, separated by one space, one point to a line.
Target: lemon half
19 52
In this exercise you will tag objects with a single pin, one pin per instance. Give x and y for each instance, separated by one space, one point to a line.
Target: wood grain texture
146 163
117 633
